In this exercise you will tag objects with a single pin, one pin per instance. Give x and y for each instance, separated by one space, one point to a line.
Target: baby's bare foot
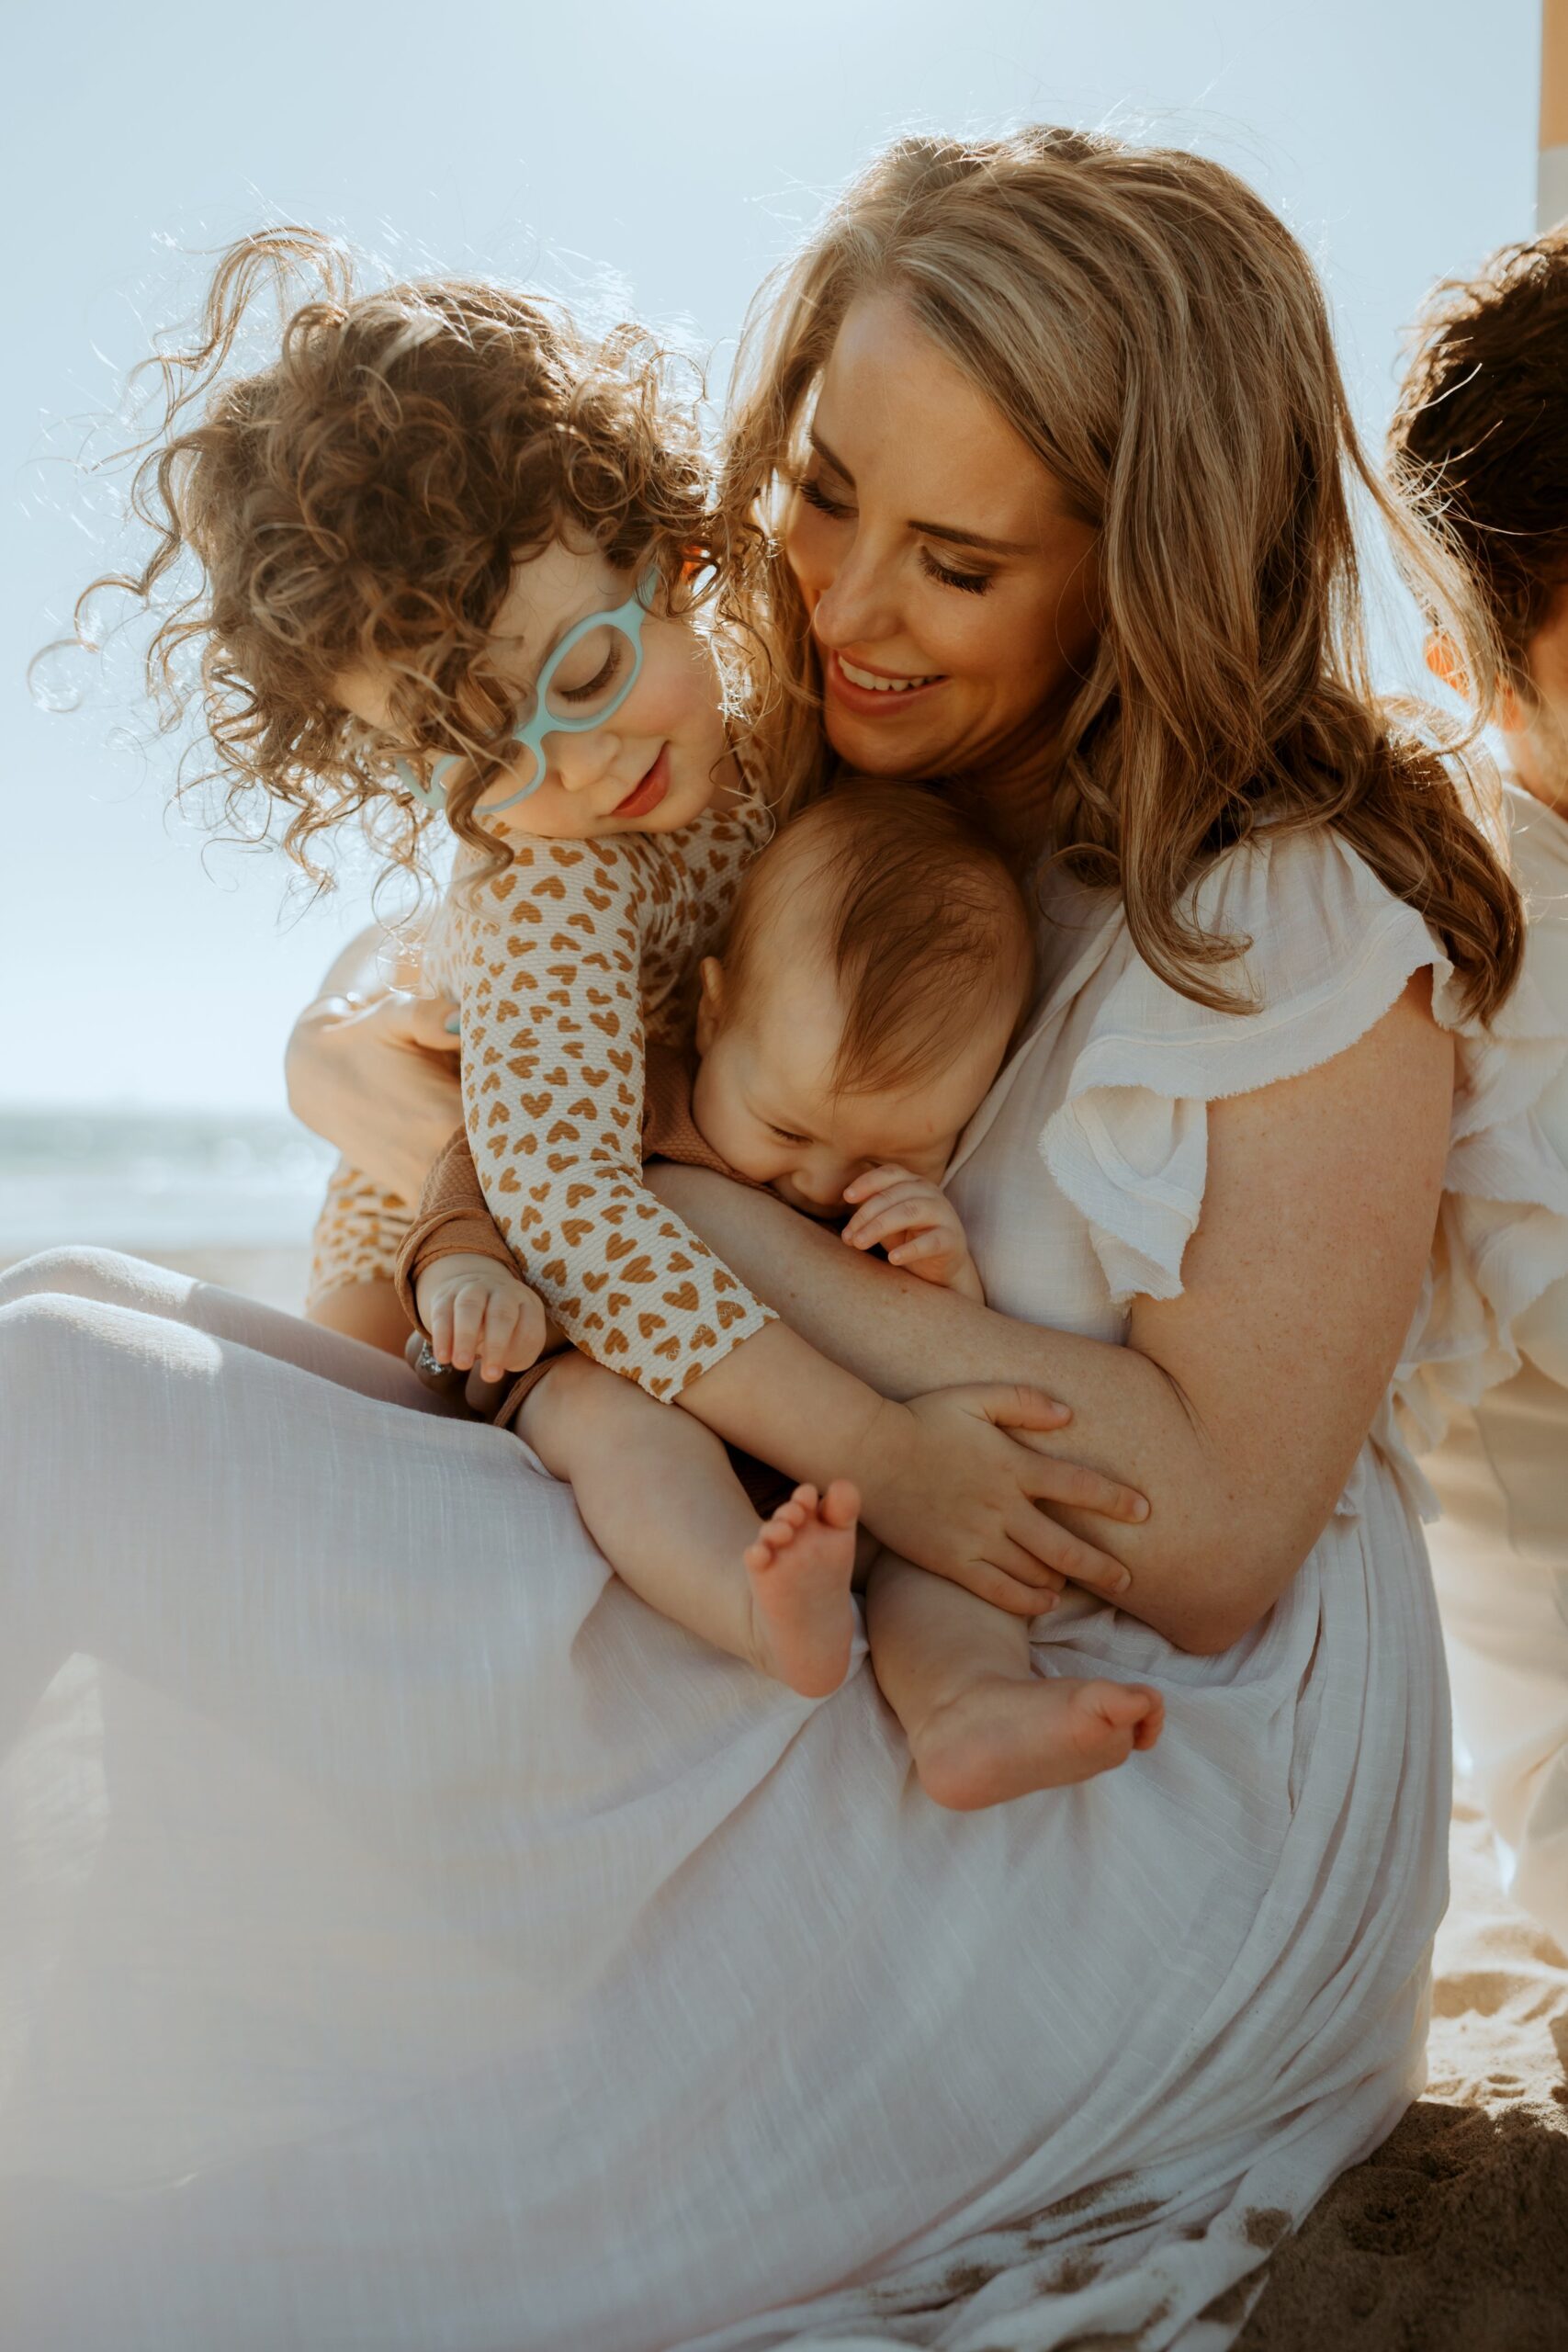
800 1570
1000 1737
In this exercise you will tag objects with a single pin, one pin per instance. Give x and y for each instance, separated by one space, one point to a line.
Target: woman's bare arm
373 1068
1237 1408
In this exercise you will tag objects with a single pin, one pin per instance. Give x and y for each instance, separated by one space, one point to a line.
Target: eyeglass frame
530 735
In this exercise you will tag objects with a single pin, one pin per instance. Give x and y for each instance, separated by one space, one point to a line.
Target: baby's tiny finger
872 1180
920 1244
863 1232
468 1321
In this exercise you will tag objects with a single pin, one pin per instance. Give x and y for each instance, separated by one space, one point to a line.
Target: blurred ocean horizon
159 1183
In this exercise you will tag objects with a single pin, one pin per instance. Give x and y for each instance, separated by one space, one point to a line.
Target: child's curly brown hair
363 500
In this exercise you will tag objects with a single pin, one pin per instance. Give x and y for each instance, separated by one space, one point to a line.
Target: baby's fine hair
363 497
922 923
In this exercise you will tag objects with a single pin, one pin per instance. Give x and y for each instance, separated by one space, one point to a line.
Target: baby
878 962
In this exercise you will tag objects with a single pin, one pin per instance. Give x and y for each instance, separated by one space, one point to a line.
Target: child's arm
551 957
457 1279
916 1226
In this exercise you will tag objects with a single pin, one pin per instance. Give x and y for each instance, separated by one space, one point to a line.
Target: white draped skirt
411 1943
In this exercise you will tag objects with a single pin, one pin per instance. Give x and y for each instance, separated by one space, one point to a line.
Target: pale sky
680 149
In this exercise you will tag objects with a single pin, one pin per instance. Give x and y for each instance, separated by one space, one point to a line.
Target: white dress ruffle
1332 950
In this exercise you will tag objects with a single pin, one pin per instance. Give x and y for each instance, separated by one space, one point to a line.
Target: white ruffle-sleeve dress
411 1943
1500 1551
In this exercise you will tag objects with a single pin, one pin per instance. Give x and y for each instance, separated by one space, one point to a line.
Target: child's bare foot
1001 1736
800 1570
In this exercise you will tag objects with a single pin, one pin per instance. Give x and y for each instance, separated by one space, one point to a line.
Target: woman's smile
869 692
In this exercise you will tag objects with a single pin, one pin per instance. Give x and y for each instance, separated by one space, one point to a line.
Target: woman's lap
498 1945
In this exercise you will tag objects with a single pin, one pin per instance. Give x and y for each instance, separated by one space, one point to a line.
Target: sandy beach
1454 2236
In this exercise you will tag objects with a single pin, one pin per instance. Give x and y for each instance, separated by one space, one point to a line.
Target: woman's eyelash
975 583
814 495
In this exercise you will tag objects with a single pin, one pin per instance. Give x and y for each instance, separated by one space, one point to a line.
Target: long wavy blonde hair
1158 338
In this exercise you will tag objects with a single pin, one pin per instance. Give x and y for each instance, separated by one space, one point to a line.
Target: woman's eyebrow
928 530
827 455
972 539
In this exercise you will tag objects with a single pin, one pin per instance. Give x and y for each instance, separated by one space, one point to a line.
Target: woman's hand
947 1486
377 1075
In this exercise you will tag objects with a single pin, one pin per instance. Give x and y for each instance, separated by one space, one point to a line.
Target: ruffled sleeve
1331 950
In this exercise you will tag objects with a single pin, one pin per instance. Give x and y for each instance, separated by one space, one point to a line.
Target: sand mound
1454 2236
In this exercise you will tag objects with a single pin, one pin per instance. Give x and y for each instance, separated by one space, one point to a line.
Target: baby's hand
918 1225
478 1313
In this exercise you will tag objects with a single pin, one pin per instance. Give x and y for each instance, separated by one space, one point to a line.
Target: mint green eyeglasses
585 681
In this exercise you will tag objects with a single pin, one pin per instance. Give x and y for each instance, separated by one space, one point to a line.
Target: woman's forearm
1238 1406
358 968
374 1069
905 1338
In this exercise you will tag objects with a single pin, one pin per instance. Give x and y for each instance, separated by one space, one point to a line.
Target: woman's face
952 591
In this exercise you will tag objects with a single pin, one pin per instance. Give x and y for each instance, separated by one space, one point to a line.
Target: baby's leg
982 1726
660 1499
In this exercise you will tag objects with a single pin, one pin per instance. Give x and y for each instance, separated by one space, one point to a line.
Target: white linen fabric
1500 1553
411 1943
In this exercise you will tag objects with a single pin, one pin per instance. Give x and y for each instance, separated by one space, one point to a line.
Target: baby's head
880 958
396 519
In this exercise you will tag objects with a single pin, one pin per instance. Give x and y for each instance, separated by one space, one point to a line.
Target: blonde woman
510 1969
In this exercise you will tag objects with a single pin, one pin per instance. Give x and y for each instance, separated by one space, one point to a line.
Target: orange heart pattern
564 965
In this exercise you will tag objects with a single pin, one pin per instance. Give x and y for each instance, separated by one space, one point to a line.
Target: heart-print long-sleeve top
564 967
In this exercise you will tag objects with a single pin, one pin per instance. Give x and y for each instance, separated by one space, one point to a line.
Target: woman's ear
1444 662
710 1004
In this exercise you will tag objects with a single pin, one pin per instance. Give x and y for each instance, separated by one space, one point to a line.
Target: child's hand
917 1224
478 1313
951 1481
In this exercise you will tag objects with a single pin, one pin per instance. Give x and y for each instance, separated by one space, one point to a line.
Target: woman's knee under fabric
80 1271
111 1279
